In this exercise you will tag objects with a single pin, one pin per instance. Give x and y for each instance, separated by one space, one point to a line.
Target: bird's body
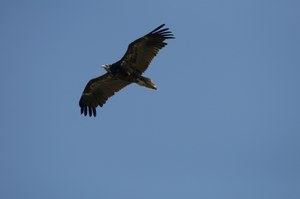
129 74
127 70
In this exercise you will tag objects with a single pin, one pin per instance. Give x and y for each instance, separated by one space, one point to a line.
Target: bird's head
106 67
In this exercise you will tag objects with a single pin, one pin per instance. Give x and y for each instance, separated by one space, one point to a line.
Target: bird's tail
146 82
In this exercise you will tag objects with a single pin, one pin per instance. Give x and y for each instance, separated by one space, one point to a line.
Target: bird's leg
146 82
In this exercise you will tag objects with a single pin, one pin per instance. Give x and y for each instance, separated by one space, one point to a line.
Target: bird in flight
127 70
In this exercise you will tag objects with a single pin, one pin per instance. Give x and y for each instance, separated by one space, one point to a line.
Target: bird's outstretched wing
140 52
97 91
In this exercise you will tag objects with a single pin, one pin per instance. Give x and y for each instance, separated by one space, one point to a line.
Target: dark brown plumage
127 70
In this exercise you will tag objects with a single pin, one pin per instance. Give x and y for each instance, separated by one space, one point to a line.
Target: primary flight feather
127 70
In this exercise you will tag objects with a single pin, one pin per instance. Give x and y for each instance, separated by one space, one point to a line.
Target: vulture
127 70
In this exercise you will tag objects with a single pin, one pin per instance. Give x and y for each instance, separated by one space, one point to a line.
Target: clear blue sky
225 122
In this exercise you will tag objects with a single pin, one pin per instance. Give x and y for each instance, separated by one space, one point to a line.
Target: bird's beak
106 67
